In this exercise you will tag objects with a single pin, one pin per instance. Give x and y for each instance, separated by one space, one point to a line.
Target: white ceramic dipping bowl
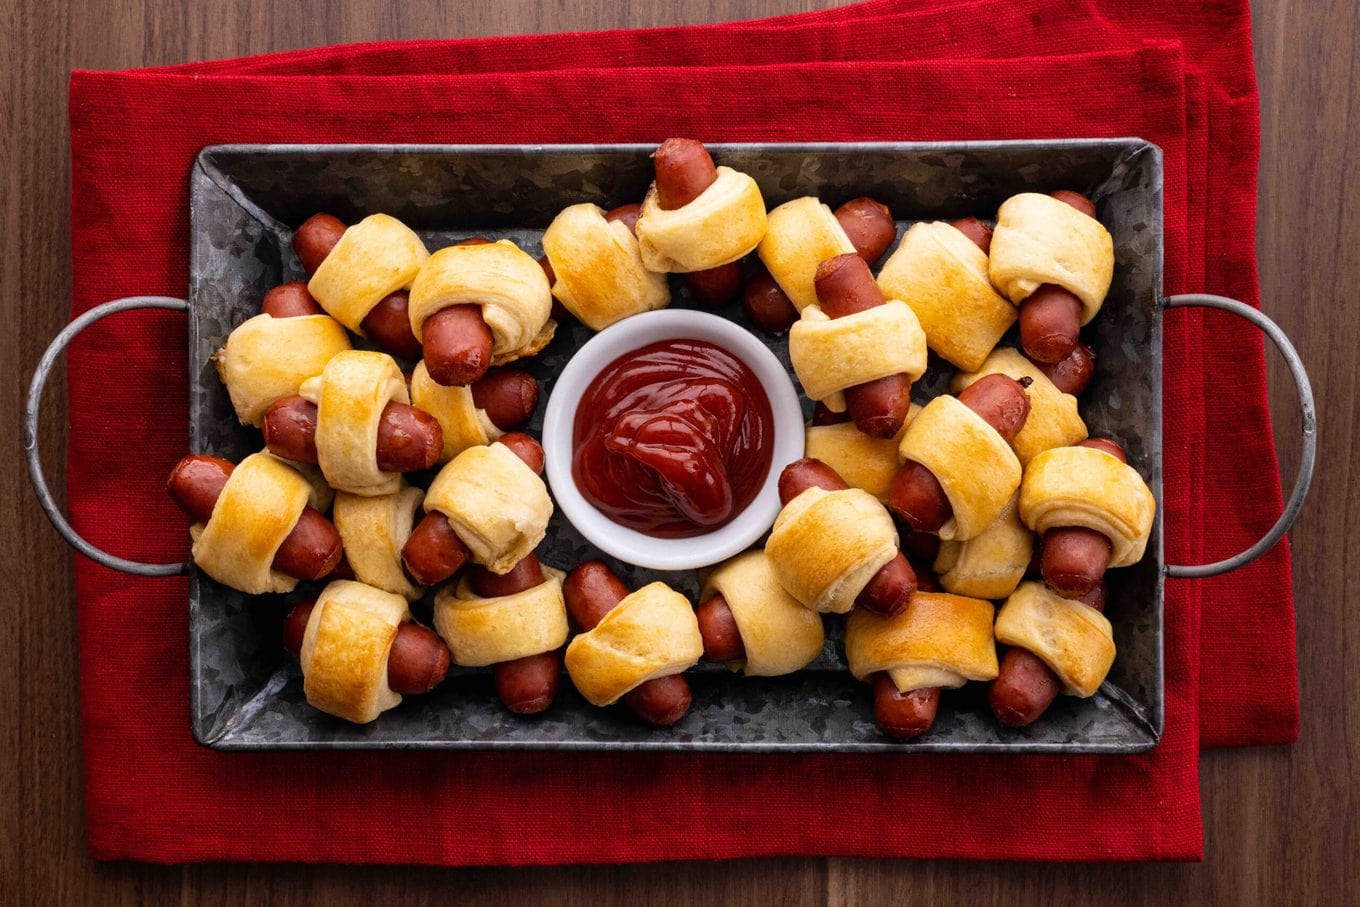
631 334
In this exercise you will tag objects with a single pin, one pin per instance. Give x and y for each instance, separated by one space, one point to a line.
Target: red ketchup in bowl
673 439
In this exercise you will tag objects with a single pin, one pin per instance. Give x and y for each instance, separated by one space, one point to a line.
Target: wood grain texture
1280 824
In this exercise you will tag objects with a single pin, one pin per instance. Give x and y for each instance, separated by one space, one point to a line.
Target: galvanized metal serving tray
245 201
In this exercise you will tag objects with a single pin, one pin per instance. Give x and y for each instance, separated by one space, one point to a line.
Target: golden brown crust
976 468
940 640
991 564
266 359
1072 638
598 267
723 224
507 283
350 395
801 234
1082 486
485 631
942 275
345 647
461 422
373 259
497 505
651 633
832 354
1053 417
827 545
1039 240
780 635
257 509
861 460
374 529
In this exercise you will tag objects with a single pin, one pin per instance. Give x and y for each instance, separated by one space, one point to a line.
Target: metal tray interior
247 693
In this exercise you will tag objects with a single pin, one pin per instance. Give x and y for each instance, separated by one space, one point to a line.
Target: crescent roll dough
1039 240
991 564
1053 417
462 423
862 460
374 258
973 464
1071 637
651 633
497 505
323 495
1081 486
257 509
827 545
801 235
599 270
484 631
942 275
374 529
350 395
940 640
266 359
345 649
509 285
779 634
831 354
724 223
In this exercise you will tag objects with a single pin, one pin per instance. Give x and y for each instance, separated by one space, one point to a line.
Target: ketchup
673 439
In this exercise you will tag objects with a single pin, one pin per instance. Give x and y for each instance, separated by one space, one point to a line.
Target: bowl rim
601 350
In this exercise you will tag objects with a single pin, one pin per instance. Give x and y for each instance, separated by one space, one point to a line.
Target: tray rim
204 162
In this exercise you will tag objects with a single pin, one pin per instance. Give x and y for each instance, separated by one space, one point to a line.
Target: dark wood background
1280 824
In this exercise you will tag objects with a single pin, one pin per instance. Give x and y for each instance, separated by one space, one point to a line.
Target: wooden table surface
1280 823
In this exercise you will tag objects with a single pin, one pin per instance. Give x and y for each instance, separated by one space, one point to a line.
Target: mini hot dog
976 230
869 225
890 588
509 397
290 300
846 287
417 662
408 438
718 627
434 552
310 551
591 591
1050 318
1074 373
628 214
387 323
941 641
750 623
699 218
917 497
904 715
1025 686
766 303
684 169
1074 558
457 343
526 685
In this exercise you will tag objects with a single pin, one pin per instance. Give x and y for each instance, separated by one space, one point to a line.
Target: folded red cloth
152 794
1217 42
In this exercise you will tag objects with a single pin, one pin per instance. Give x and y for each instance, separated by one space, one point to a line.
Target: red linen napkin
153 794
1217 40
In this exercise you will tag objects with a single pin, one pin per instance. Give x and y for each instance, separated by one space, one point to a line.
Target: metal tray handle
31 453
1264 544
1305 477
